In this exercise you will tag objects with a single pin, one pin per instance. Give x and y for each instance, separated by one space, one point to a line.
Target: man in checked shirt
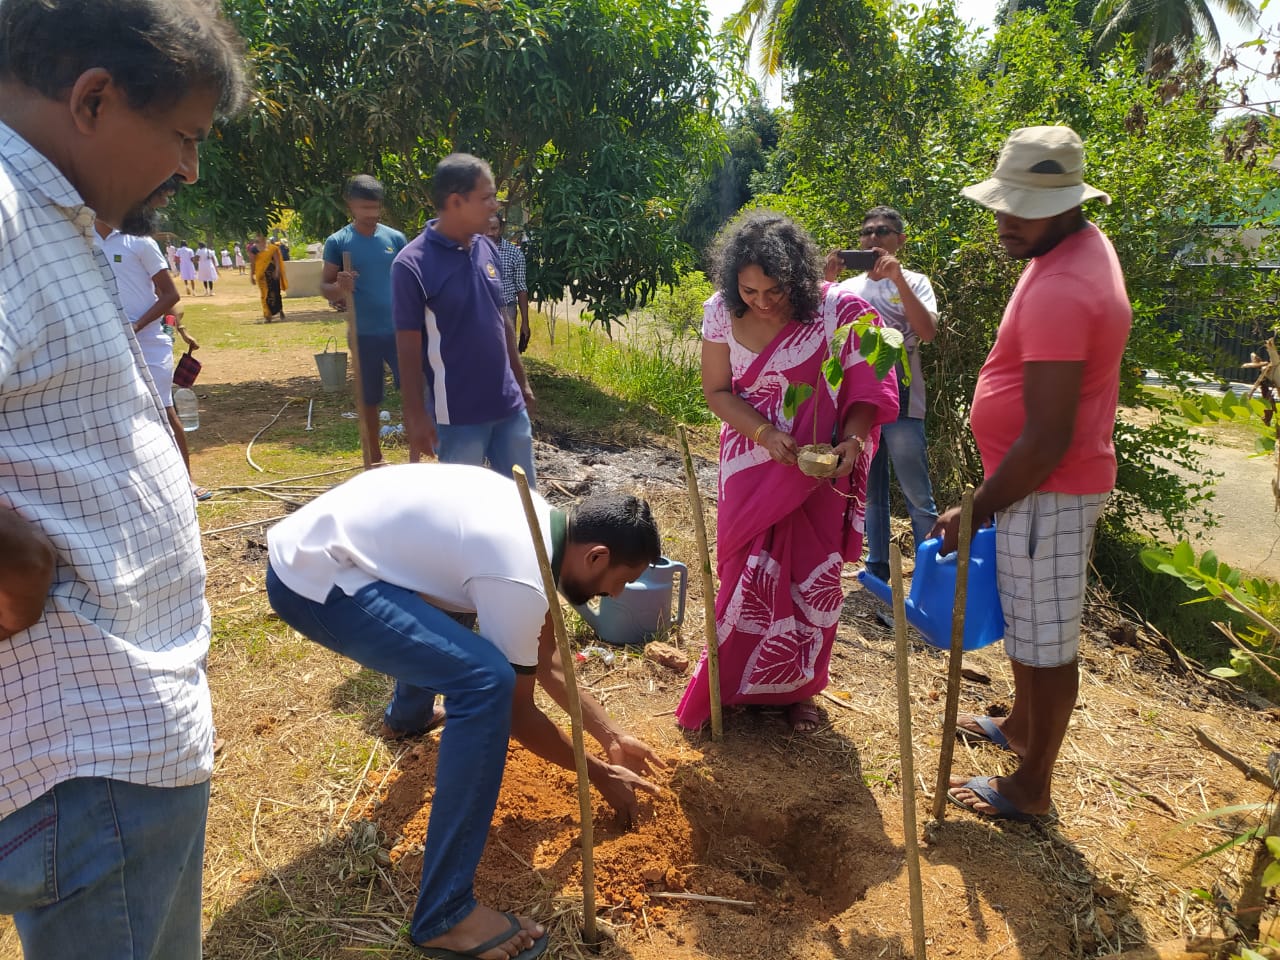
515 292
106 731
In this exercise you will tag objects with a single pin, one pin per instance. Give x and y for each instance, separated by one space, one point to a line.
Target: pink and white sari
782 537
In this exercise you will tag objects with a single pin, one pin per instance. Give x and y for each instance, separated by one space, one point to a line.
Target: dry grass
292 870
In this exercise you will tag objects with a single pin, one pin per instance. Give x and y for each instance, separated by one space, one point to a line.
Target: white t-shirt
134 261
455 534
884 297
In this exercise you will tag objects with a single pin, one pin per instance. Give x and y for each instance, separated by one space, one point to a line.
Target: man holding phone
905 301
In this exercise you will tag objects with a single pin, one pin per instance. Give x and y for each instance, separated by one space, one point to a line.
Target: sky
980 13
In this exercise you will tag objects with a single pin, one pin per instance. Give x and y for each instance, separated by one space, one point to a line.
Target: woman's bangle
755 437
853 436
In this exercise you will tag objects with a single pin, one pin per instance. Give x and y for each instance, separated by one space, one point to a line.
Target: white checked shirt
111 681
511 266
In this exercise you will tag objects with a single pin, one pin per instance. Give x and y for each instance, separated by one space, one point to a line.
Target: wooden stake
589 933
708 590
366 442
901 659
956 659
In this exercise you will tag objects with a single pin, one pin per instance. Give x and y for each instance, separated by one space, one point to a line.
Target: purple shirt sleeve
408 302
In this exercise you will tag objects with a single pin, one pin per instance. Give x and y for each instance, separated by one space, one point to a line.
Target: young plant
1256 598
881 347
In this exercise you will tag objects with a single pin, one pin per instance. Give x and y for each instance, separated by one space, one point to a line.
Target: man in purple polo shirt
446 301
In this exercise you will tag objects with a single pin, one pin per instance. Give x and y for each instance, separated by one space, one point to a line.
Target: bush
932 110
678 309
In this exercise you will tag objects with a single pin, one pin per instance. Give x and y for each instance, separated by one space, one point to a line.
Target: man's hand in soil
634 754
618 786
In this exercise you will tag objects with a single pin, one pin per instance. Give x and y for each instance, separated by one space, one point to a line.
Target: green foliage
797 393
922 110
678 309
664 375
1176 24
1257 598
751 137
1200 409
594 114
1163 601
881 347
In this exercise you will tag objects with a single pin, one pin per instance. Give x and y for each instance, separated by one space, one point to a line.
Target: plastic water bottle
188 407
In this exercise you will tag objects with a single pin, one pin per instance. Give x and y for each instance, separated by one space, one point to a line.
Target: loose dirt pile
804 833
793 847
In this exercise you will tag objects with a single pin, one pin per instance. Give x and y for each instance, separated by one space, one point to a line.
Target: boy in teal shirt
373 247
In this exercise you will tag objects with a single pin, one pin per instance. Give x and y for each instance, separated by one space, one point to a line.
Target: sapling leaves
833 370
882 347
797 393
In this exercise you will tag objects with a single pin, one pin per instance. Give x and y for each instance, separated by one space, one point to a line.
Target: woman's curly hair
778 246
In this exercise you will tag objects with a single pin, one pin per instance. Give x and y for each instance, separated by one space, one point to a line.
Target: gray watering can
642 610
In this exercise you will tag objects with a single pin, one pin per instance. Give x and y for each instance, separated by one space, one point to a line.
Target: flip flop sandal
200 493
808 713
991 734
538 948
982 788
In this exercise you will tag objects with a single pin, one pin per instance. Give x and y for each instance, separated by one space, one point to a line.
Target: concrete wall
304 278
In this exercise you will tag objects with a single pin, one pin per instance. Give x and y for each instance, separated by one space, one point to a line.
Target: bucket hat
1040 174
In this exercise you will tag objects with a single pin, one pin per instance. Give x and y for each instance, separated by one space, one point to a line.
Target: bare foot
484 924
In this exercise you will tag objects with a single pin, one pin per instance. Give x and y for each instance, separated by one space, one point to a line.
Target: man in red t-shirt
1043 414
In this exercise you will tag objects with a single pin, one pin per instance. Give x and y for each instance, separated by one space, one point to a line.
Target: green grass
655 370
237 325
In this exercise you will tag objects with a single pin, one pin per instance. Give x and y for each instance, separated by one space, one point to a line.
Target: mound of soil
774 852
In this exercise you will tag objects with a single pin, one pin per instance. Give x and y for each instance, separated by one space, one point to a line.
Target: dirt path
1248 534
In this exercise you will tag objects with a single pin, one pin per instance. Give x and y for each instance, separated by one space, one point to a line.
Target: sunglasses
878 231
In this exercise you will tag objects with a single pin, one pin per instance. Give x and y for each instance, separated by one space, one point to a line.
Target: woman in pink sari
782 537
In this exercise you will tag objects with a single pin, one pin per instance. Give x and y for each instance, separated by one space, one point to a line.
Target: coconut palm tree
1175 23
774 16
790 30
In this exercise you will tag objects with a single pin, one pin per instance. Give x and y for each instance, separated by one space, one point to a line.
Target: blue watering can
642 609
933 591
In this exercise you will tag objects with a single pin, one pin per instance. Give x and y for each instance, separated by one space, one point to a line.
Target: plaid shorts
1043 546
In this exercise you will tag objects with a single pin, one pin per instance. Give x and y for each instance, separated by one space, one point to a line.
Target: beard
576 594
143 219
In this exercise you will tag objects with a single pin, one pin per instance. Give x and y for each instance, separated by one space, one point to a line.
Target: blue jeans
901 442
103 868
505 443
396 632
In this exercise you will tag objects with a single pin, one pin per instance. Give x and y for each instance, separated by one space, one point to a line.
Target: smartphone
859 259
